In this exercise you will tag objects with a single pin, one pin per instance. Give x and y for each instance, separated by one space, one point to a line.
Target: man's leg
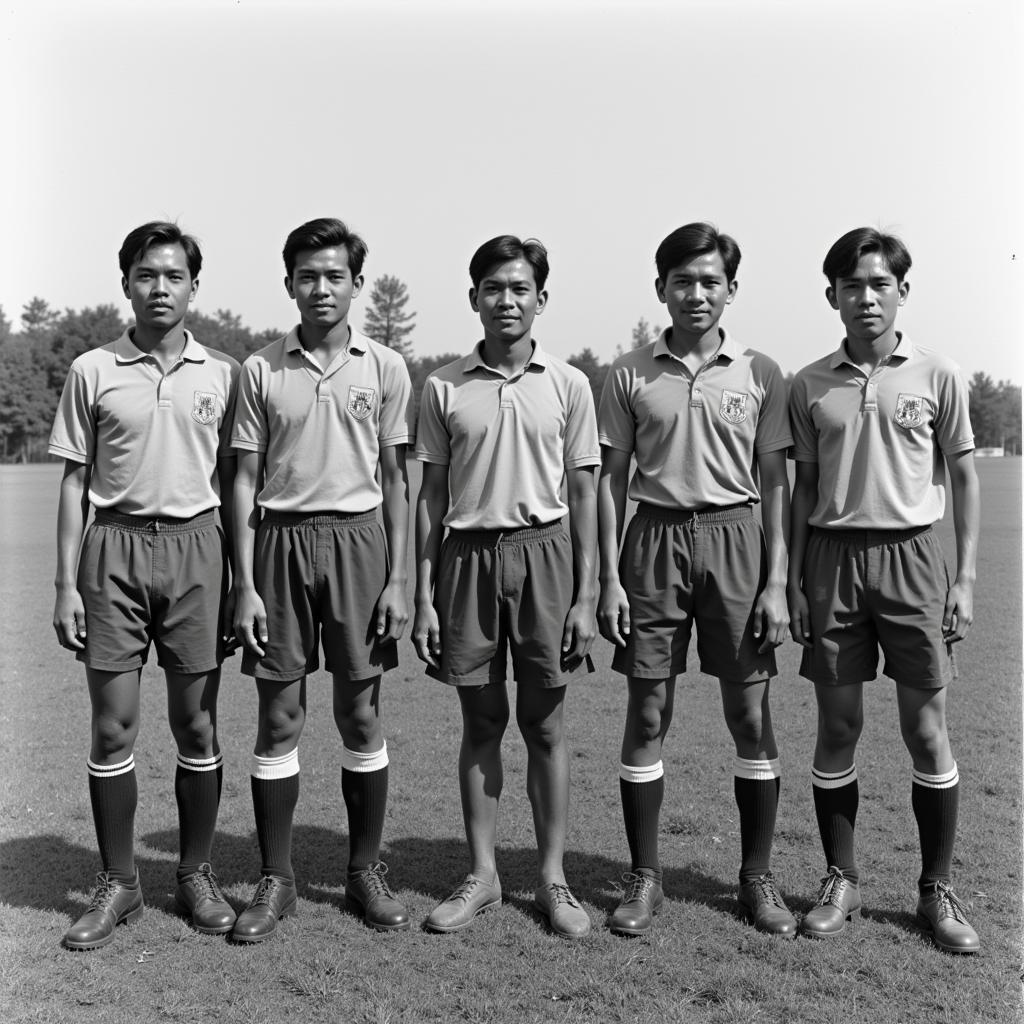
641 789
364 786
485 714
756 788
539 715
113 792
192 715
275 792
836 798
935 797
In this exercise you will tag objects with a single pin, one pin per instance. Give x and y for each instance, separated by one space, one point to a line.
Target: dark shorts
498 590
877 588
153 580
682 568
320 577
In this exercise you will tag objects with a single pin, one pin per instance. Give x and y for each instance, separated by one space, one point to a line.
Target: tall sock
936 803
197 784
364 785
642 790
756 786
836 796
114 793
275 792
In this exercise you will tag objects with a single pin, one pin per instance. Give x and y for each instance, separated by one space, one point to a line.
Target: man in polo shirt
320 413
498 431
142 427
874 425
705 419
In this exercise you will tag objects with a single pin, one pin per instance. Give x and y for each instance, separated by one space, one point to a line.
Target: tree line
34 362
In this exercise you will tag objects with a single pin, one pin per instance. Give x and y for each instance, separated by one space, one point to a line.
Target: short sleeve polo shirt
322 430
151 438
879 440
507 440
695 438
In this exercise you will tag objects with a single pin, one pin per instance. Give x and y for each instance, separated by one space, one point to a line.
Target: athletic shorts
877 588
153 580
685 568
506 589
320 577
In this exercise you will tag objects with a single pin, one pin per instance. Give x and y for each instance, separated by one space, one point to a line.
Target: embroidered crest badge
734 406
204 407
361 401
909 411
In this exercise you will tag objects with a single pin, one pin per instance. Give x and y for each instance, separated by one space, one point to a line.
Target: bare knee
745 725
359 726
113 737
279 729
194 734
928 744
483 728
839 730
541 732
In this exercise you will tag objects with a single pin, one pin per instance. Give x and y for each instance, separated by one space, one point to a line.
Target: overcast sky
597 127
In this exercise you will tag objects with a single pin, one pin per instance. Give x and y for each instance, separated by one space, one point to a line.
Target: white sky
597 127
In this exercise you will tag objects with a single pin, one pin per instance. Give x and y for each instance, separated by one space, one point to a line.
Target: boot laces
637 887
833 886
373 877
560 893
950 905
106 890
769 891
264 891
205 882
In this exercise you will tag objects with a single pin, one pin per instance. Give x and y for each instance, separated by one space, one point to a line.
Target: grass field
698 965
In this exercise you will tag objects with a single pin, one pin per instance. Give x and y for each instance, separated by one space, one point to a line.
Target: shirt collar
729 346
356 342
126 352
475 360
904 350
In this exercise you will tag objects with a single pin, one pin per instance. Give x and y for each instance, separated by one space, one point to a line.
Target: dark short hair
842 259
505 248
324 233
158 232
697 239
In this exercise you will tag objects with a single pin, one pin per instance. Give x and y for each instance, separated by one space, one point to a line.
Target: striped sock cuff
109 771
356 761
833 780
947 780
201 764
642 773
283 767
758 771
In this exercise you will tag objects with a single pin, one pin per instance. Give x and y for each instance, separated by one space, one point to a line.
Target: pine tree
386 319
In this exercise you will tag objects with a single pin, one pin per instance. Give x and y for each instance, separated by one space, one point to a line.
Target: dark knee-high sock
275 792
642 789
364 785
756 786
836 797
114 794
936 803
197 785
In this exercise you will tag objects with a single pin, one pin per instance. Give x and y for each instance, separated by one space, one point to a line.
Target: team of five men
523 546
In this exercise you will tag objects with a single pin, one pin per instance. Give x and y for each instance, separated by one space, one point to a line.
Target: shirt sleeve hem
249 446
390 442
960 446
436 460
614 442
583 460
68 453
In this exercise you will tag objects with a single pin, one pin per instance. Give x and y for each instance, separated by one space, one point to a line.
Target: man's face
323 286
507 300
868 299
696 294
160 287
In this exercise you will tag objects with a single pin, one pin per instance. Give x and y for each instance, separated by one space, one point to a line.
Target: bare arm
963 481
250 615
613 608
72 512
431 506
581 623
771 614
805 497
392 608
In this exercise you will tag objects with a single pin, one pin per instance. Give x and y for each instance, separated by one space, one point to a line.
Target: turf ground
698 965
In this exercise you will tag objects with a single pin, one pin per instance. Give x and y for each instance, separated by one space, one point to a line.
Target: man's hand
392 612
613 613
771 617
250 620
426 635
69 619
